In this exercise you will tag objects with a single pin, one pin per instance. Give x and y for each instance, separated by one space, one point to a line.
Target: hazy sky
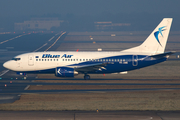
81 7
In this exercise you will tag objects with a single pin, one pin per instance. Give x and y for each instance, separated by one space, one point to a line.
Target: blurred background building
38 24
109 25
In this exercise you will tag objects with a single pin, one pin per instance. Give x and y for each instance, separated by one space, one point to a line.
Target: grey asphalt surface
82 91
89 115
16 86
10 90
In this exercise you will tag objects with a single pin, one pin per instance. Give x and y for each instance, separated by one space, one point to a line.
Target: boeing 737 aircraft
69 64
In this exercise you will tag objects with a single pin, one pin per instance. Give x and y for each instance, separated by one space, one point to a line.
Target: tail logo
159 32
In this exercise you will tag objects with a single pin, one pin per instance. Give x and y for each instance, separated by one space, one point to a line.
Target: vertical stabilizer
156 42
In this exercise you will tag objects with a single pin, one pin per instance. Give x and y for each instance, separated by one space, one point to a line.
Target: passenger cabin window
16 59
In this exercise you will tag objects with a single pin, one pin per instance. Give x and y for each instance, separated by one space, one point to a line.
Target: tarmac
18 87
89 115
13 86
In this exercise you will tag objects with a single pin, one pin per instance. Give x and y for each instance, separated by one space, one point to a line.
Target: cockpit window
16 59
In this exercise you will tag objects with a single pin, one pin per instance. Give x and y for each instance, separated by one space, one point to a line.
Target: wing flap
91 67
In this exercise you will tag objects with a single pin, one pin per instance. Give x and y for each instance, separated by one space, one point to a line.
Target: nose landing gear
86 77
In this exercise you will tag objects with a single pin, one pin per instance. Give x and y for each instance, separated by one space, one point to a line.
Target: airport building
38 24
109 25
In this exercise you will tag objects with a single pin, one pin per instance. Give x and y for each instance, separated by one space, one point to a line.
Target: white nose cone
7 65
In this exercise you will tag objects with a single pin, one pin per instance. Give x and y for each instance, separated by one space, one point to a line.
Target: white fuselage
47 60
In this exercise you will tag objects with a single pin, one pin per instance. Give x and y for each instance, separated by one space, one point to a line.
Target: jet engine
65 72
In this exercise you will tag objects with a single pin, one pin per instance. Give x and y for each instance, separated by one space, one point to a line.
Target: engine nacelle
65 72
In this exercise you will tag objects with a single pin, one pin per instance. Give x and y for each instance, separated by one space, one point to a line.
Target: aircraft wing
91 67
162 55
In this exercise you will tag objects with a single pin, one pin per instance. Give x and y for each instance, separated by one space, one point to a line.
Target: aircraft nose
7 65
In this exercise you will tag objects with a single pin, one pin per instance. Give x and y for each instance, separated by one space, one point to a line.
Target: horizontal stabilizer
163 54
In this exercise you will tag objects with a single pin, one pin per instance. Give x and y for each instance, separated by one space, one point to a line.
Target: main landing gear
86 77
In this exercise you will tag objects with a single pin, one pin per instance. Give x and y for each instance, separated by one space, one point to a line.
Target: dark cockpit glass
16 59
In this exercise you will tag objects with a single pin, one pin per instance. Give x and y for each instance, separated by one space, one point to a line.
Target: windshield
16 59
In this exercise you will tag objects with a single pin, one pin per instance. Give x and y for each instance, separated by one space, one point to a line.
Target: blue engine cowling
65 72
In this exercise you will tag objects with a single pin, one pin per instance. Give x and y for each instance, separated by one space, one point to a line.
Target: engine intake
65 72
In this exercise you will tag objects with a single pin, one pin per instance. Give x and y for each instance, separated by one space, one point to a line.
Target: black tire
86 77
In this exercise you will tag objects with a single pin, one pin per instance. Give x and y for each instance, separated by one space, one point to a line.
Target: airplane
71 63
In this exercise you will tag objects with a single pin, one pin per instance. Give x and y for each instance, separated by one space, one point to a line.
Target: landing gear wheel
86 77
